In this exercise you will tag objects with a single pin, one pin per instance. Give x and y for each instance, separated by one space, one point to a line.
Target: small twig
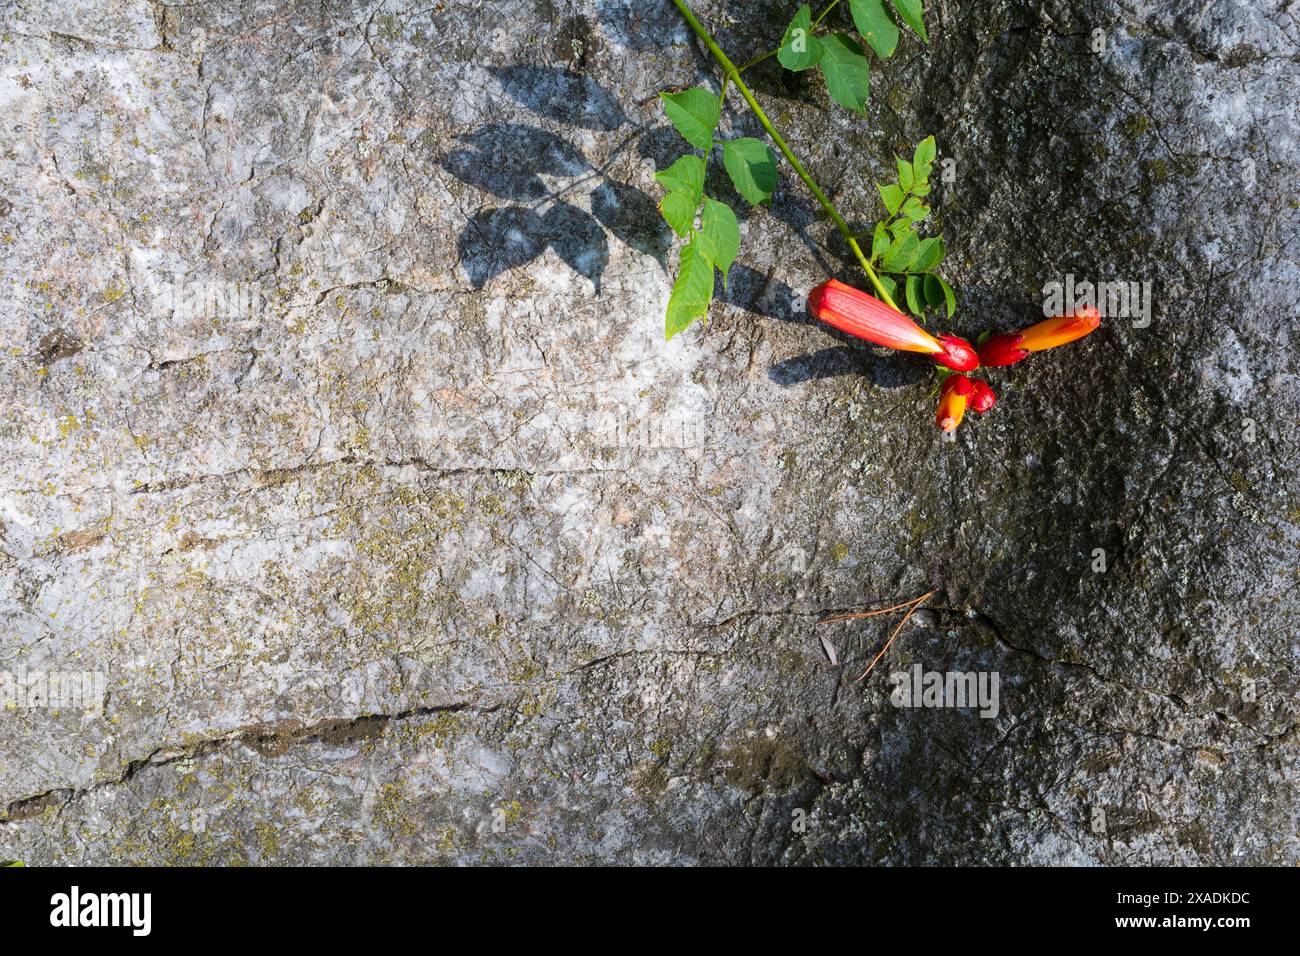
915 604
857 615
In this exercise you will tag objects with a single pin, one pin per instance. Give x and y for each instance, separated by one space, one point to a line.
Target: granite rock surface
348 477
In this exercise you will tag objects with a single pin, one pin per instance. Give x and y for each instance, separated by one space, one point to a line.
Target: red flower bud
982 398
1003 349
952 402
957 354
853 311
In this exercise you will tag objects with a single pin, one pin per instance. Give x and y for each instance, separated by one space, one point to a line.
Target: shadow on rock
887 370
641 26
561 95
499 239
507 160
577 239
763 294
633 217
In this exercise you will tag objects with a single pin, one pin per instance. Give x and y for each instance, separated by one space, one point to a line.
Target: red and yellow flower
855 312
956 393
1007 348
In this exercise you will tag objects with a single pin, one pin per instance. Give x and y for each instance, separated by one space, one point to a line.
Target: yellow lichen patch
398 530
443 728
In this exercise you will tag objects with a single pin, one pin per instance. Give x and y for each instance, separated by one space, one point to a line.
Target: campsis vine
899 262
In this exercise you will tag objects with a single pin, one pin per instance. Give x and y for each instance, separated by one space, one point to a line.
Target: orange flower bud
1060 330
952 402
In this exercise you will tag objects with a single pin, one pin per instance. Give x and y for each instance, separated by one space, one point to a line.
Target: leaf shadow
503 238
508 160
637 25
561 95
495 240
633 217
578 239
763 294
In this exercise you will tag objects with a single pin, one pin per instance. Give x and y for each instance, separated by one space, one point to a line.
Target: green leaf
914 210
905 179
719 238
937 290
751 165
913 302
695 114
879 242
799 48
686 174
691 292
901 254
890 285
848 75
876 26
928 255
949 298
921 190
984 336
923 159
931 291
892 197
912 13
678 209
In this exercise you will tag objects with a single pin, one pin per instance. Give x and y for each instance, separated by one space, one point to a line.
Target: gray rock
342 444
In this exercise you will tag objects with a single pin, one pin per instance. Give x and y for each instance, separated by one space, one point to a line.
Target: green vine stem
733 75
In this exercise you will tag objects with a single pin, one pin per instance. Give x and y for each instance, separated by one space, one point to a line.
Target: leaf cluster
897 250
840 56
709 225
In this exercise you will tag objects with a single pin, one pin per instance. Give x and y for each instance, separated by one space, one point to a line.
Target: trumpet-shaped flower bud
1003 349
956 393
1008 348
853 311
982 398
1060 330
957 354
